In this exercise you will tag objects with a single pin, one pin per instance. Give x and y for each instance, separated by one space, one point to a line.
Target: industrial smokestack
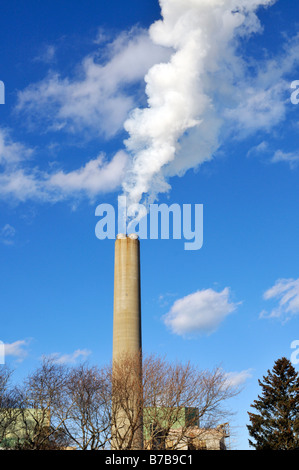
127 309
127 330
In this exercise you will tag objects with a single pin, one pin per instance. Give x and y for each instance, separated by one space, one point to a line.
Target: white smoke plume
181 126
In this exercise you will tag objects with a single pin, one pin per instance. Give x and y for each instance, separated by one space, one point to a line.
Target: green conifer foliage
275 425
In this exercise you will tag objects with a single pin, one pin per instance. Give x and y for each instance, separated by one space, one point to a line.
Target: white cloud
263 97
101 36
12 152
47 54
17 349
165 299
7 234
200 312
260 149
286 292
21 180
20 184
278 156
8 231
78 355
97 97
292 158
97 176
261 105
235 379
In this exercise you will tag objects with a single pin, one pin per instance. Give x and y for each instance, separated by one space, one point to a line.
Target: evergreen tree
275 426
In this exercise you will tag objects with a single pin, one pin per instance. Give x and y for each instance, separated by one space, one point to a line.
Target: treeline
60 407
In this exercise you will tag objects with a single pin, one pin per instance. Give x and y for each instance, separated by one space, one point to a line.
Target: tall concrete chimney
127 309
127 317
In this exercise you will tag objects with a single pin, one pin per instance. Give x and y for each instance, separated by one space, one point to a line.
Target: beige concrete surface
127 309
127 334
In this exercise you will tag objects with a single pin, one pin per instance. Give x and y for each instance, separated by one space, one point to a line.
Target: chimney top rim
133 236
122 236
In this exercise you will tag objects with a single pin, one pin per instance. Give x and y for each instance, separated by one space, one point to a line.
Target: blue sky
219 129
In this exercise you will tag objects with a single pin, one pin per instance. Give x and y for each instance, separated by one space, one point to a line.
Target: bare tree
41 399
9 412
127 403
91 408
60 407
173 399
179 397
88 419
